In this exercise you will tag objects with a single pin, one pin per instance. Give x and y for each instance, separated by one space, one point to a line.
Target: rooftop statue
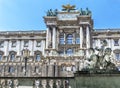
52 13
88 12
85 12
68 7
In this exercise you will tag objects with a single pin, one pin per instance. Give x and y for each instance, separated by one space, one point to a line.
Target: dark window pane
12 57
38 57
77 40
69 52
13 43
11 70
61 52
25 43
116 42
69 39
61 39
117 55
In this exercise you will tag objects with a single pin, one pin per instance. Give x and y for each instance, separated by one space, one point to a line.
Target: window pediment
116 51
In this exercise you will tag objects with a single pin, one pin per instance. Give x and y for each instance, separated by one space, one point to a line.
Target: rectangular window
117 56
1 44
13 43
77 40
11 69
12 57
38 43
38 57
25 43
116 42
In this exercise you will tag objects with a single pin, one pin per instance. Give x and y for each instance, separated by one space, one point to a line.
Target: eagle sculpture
68 7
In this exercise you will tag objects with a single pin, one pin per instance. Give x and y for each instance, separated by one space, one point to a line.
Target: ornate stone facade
56 53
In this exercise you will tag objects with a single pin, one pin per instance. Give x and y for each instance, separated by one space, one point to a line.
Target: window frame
117 57
38 43
61 39
11 57
14 43
26 43
116 42
11 69
68 52
69 39
36 57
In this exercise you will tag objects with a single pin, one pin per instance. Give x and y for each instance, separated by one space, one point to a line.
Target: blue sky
18 15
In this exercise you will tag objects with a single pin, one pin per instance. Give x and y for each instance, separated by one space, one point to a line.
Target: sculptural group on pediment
52 13
102 61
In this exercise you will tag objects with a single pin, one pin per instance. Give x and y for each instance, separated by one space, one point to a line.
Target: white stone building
56 52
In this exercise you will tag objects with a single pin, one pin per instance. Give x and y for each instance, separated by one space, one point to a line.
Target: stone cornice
21 38
22 33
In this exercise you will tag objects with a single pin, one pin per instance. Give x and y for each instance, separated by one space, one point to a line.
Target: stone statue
16 83
100 59
107 62
3 84
9 83
92 59
37 83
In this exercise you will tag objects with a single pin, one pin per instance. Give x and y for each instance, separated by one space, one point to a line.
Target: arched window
11 69
77 40
61 39
12 55
38 57
69 38
69 51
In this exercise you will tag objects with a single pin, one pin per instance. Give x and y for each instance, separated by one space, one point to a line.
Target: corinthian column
81 37
47 37
87 37
87 40
54 38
